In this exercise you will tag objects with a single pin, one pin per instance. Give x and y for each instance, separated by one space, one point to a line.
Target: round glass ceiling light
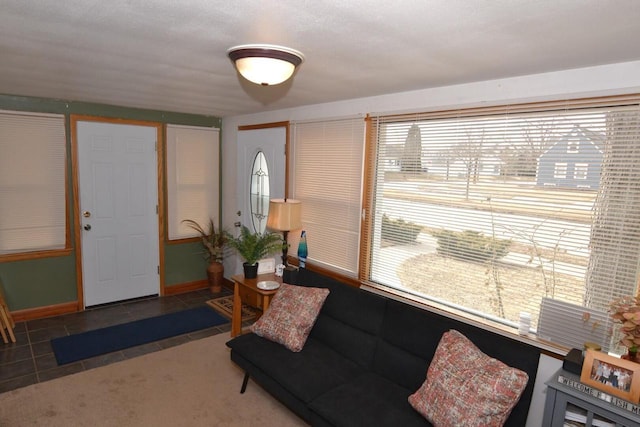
265 64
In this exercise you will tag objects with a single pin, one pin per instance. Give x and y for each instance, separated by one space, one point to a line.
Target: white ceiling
171 54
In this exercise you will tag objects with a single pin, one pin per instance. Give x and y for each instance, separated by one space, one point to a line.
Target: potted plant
626 311
213 241
253 247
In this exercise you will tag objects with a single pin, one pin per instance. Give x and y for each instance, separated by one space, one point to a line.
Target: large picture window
32 183
469 209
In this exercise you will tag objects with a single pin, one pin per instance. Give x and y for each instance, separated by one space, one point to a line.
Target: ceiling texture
171 54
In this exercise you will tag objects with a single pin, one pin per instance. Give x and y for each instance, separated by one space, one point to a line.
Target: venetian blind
193 178
492 209
32 182
327 178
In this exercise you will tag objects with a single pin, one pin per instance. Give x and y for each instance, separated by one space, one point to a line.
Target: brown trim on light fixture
264 52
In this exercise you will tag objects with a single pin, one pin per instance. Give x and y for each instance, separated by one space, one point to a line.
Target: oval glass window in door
259 196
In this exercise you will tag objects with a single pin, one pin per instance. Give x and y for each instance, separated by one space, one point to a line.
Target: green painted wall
39 282
184 263
48 281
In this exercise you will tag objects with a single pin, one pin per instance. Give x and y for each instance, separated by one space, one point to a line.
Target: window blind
489 210
193 178
32 182
327 175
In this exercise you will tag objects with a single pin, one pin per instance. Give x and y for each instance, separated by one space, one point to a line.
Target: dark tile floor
30 360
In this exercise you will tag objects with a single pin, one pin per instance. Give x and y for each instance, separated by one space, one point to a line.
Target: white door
260 152
117 174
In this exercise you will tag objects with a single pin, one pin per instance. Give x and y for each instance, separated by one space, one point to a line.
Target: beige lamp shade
284 215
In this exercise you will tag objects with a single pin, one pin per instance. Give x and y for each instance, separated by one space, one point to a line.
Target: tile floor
30 360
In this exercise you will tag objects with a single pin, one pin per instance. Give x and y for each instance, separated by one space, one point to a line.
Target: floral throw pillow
465 387
291 315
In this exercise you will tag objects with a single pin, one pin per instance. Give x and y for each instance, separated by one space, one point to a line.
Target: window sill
22 256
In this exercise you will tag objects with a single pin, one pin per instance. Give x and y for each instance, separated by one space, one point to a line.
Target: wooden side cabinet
246 291
250 297
566 405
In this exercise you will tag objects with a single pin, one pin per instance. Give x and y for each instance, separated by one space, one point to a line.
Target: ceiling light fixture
265 64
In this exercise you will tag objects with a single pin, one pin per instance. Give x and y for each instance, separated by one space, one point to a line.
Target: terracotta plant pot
215 274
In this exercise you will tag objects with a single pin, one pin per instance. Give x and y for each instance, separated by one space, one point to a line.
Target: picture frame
615 376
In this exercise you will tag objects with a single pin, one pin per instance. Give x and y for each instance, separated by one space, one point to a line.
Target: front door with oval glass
259 195
261 174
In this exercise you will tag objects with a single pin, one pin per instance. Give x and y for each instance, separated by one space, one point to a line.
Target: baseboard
185 287
47 311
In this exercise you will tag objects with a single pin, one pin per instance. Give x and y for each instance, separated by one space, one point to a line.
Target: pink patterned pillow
291 315
465 387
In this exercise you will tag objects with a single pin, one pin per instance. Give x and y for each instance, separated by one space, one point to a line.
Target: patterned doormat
224 306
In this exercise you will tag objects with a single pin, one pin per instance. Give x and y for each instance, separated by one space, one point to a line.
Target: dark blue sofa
365 355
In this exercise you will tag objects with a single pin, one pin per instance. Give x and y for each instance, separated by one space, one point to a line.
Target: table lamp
284 215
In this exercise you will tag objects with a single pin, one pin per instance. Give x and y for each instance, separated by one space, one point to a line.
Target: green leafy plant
254 246
399 230
213 240
471 245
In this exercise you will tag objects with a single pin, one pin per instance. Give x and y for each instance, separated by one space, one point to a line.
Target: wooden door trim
74 119
287 146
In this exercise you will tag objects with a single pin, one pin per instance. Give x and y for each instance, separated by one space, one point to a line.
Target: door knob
86 214
87 227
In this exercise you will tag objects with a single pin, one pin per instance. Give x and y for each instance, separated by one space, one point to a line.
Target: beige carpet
194 384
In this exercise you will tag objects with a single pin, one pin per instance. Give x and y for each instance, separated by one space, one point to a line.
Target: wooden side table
240 288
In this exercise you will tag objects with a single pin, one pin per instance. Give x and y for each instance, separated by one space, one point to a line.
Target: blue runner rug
113 338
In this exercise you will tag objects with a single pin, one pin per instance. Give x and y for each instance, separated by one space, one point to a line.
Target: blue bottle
302 249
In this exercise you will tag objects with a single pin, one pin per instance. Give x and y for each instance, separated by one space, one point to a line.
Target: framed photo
618 377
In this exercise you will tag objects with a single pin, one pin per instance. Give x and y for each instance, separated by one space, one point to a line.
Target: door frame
240 207
74 119
287 143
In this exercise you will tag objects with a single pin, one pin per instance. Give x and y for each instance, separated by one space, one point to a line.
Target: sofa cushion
349 320
369 400
465 387
353 343
353 306
400 366
291 315
305 374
